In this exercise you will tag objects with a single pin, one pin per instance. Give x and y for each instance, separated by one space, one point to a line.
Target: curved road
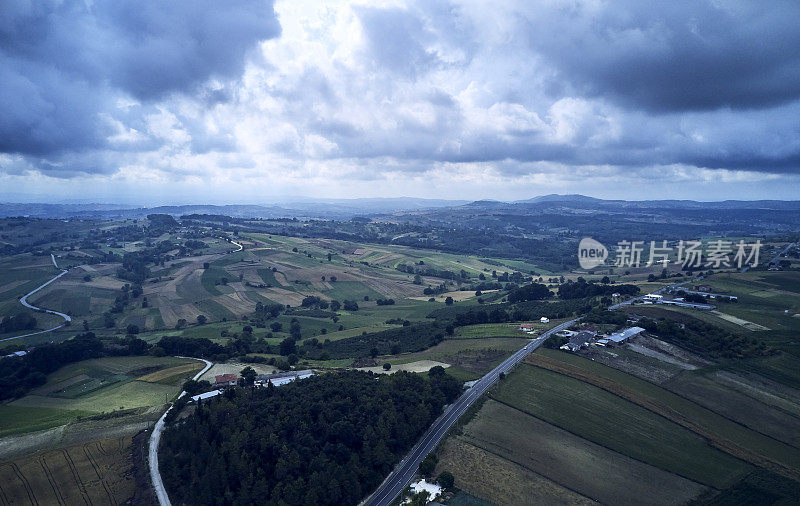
155 438
24 302
407 468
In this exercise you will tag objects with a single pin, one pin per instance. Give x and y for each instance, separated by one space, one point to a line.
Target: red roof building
225 379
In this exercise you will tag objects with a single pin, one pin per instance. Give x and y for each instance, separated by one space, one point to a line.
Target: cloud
64 64
390 92
683 55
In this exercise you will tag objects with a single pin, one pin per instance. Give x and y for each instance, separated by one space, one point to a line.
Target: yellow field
172 371
97 472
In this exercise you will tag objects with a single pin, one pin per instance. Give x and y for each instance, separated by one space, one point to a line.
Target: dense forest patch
329 439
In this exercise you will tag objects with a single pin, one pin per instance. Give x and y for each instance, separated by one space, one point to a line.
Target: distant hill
302 208
344 209
584 202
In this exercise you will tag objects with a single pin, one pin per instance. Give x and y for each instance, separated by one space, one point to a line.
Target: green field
490 330
90 387
511 457
351 290
617 424
723 427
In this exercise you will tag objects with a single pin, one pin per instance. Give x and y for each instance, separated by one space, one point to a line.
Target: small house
225 380
544 319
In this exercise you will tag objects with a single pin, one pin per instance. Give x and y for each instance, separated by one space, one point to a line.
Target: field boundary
655 406
472 441
602 445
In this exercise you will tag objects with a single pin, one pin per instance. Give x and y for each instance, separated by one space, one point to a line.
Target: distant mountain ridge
348 208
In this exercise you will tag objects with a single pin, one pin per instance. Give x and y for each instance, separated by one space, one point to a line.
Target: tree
606 280
294 329
387 366
206 265
428 464
132 329
335 305
417 279
276 326
248 375
201 319
180 324
287 346
332 279
448 301
446 479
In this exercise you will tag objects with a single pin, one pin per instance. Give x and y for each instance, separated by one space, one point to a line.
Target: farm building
579 340
206 395
225 380
675 302
621 337
702 288
282 378
653 297
544 319
525 328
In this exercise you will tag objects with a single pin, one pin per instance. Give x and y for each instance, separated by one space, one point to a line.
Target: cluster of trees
477 316
325 440
127 292
414 337
205 348
22 321
424 270
707 340
135 265
193 244
534 291
314 301
19 375
486 285
581 289
265 312
435 290
384 302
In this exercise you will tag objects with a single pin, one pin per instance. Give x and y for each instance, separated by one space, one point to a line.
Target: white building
544 319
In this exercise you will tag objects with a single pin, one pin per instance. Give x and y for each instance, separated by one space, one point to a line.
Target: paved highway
783 252
405 470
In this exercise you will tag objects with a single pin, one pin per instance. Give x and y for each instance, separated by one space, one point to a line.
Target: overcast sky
244 102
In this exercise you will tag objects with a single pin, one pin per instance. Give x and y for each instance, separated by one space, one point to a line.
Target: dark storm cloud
64 65
674 56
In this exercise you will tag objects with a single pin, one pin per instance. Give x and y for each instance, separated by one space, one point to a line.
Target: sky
251 101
